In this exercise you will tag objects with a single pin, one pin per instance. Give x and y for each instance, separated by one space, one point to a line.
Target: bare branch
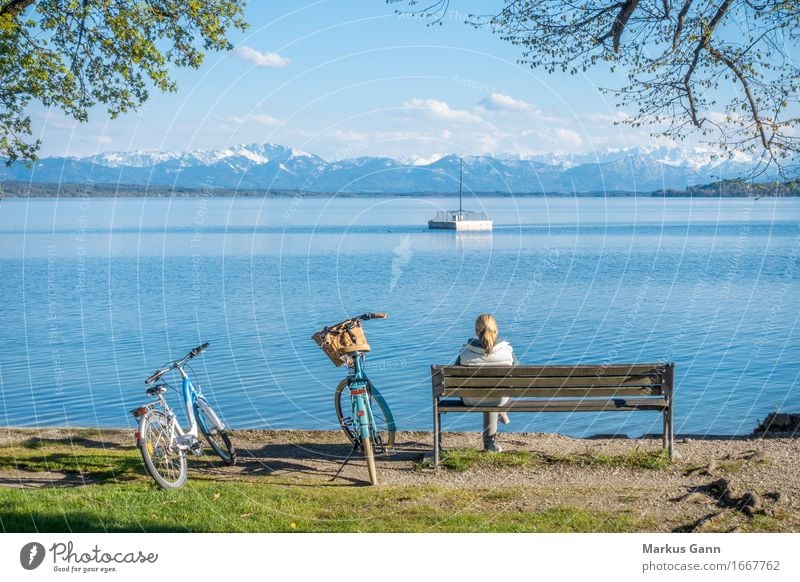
702 44
754 110
679 24
621 21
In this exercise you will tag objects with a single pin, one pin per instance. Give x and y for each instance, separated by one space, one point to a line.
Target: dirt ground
714 483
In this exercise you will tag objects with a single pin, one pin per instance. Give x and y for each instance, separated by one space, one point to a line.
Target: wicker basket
338 342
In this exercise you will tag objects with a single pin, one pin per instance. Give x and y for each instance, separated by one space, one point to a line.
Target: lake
101 292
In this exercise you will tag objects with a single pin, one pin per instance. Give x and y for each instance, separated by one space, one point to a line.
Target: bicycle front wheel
384 421
165 463
369 455
216 437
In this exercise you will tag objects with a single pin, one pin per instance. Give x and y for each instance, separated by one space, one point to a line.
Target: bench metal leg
669 388
671 432
437 431
668 439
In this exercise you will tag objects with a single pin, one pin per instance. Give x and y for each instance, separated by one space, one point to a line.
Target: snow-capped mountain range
276 167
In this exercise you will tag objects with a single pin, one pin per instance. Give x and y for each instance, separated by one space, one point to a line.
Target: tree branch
15 7
702 44
80 36
679 24
621 21
748 93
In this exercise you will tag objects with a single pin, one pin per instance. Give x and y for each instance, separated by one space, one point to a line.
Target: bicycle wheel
218 439
370 457
162 460
384 421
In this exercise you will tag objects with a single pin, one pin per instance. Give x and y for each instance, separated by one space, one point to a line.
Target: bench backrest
553 381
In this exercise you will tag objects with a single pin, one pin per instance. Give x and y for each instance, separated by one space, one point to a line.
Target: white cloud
259 59
722 118
58 120
501 102
346 135
568 137
440 110
616 117
257 118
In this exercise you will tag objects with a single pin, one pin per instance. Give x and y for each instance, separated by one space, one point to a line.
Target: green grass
208 506
730 466
76 456
634 459
93 461
122 498
465 459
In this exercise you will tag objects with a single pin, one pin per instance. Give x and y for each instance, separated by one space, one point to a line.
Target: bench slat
552 392
559 405
552 371
487 382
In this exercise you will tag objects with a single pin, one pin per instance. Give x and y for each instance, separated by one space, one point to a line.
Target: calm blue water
99 292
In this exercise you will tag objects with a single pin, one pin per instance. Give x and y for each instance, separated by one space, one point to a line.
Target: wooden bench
582 388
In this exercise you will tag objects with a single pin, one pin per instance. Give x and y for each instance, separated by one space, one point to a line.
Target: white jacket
474 354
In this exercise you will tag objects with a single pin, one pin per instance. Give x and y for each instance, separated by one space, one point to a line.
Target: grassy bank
269 507
105 489
88 483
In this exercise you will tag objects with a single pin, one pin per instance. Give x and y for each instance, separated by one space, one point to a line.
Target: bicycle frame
193 397
361 388
189 396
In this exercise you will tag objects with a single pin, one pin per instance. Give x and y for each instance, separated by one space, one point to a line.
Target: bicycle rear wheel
218 439
384 421
165 463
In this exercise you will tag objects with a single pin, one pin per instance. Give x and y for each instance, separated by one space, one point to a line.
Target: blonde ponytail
486 331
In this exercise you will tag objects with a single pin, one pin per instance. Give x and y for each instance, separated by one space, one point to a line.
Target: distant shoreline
728 189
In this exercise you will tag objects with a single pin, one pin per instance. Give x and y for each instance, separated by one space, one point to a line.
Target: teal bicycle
160 438
366 419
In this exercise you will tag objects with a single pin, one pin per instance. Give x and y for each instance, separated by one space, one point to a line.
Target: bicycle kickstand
346 460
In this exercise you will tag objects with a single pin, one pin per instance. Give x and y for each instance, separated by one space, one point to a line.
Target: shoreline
409 195
594 437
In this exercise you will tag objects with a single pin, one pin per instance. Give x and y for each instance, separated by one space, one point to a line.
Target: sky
350 79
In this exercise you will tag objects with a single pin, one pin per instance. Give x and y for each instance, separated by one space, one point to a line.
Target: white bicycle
162 441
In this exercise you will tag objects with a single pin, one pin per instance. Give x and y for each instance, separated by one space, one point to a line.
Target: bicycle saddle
160 389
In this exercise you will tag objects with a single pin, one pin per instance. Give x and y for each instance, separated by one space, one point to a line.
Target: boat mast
460 176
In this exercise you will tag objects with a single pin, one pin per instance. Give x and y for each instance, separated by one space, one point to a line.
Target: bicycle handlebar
157 375
192 353
196 351
378 315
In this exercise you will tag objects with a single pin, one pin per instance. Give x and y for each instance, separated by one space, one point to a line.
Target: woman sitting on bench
486 349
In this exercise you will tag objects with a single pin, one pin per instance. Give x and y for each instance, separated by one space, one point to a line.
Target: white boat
461 219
